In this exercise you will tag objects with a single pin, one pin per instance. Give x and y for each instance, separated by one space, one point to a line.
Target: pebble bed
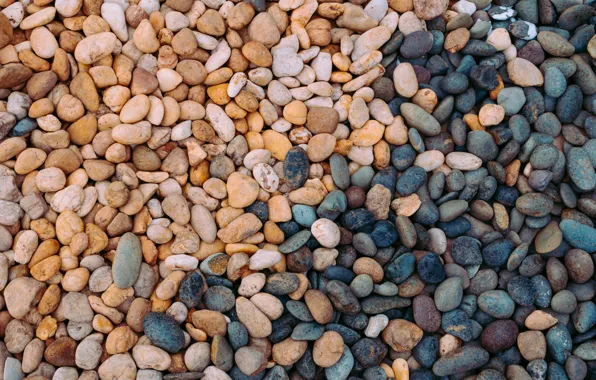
297 190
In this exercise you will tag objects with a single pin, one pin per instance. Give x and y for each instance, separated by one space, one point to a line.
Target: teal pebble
555 82
362 177
307 331
24 126
388 289
496 303
362 285
579 235
295 241
340 171
416 140
333 205
304 215
512 99
127 261
341 370
580 169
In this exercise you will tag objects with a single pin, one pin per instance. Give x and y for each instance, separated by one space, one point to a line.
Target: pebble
127 262
449 294
461 359
163 332
401 335
496 303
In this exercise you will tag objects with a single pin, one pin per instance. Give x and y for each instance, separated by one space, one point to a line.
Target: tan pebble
499 38
463 161
370 134
320 147
46 328
540 320
327 350
402 335
406 206
307 195
288 351
319 306
430 160
279 209
491 114
268 305
524 73
150 357
257 324
532 345
145 38
242 190
46 269
277 144
120 340
29 160
456 40
120 366
95 47
400 369
75 280
405 80
295 112
366 265
135 109
264 30
501 216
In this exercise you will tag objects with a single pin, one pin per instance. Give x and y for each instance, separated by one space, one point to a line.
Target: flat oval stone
448 294
558 343
580 169
342 298
497 253
579 235
411 180
310 331
369 352
358 218
295 241
339 171
534 204
430 268
127 261
378 304
457 323
282 283
420 119
191 289
426 314
416 44
465 250
569 104
296 167
461 359
219 298
164 332
522 291
496 303
401 268
499 336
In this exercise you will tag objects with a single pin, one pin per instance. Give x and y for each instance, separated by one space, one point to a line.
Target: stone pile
299 189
